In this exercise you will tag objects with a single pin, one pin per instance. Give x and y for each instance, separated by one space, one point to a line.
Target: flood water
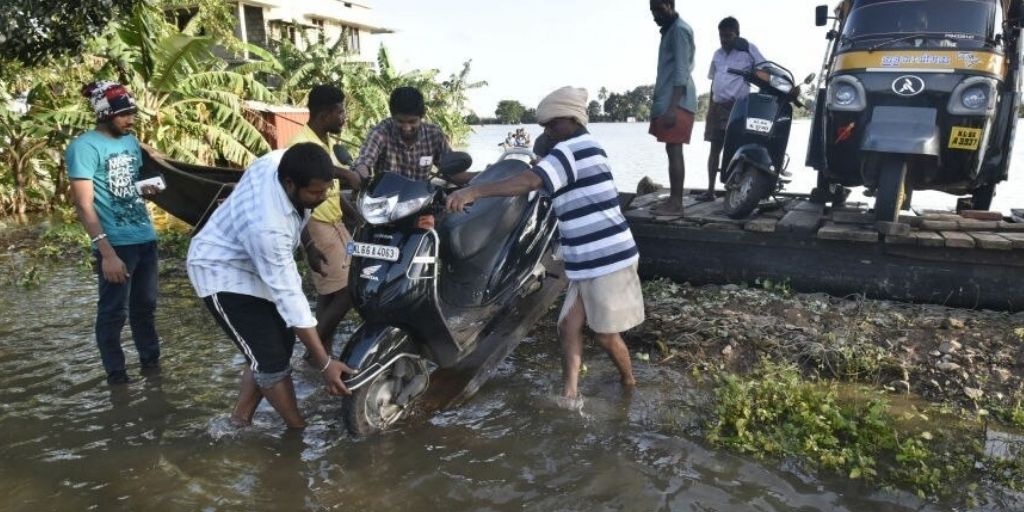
70 442
634 154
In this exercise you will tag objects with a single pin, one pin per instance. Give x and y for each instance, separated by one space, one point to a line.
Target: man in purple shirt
726 88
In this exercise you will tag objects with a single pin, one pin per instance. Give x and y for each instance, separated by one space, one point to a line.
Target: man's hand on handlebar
458 201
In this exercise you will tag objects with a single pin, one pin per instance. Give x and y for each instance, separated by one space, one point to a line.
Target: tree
190 105
530 116
510 111
602 94
33 31
594 110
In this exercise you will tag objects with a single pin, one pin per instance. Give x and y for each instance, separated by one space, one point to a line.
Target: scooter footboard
372 350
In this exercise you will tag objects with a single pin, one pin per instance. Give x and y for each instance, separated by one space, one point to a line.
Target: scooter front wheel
754 185
384 400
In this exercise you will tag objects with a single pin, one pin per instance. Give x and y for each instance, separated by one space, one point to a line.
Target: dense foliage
180 59
32 31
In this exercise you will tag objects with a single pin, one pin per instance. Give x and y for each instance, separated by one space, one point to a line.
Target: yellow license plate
965 138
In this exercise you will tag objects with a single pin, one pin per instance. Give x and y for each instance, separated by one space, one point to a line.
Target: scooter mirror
342 154
809 79
454 163
821 16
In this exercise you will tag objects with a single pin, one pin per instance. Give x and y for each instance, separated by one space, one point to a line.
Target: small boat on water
192 191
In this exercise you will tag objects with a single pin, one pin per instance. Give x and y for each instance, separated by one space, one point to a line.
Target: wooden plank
908 239
892 228
939 225
982 215
761 225
845 232
958 240
707 208
805 206
649 200
858 217
945 217
991 241
806 222
1016 238
930 239
723 226
913 220
978 225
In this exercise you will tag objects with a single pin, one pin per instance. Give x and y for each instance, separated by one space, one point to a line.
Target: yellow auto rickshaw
917 95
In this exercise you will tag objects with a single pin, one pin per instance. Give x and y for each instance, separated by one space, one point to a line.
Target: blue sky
527 48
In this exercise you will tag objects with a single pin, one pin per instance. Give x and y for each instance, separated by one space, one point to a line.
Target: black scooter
441 293
756 138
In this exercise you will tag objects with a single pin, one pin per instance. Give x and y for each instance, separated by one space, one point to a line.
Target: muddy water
70 442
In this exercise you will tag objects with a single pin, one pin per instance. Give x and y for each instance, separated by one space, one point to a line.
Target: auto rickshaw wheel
826 192
892 193
981 198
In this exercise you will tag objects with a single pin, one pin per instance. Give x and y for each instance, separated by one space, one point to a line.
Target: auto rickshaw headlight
975 98
846 94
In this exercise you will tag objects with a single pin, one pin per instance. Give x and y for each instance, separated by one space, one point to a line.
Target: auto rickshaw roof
1011 8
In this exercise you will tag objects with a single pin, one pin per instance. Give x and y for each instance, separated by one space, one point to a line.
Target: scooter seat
487 221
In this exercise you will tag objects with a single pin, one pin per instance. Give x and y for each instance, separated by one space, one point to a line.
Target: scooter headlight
382 210
781 83
975 98
377 210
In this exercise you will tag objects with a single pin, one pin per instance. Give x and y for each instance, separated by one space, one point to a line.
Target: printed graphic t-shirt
113 164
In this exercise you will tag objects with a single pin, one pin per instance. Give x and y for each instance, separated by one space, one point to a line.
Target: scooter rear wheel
383 401
754 185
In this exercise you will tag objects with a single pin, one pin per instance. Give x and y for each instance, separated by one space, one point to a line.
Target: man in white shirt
242 264
726 88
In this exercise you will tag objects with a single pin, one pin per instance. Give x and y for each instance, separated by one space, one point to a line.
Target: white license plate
377 252
759 125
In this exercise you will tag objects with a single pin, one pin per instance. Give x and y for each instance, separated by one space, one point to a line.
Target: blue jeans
134 300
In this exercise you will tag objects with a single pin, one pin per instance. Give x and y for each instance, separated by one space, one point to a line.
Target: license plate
377 252
759 125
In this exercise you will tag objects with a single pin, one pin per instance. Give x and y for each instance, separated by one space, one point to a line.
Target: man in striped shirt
242 264
598 248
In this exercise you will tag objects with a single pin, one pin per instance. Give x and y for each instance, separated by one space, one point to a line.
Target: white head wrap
565 102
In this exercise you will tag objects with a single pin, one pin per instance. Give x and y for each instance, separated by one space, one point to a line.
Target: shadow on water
163 442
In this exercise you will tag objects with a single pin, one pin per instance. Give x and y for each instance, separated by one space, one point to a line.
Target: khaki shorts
612 303
332 240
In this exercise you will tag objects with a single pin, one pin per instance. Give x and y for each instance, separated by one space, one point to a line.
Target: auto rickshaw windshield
963 24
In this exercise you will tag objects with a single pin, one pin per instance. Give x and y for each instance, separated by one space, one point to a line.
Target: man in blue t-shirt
104 165
597 245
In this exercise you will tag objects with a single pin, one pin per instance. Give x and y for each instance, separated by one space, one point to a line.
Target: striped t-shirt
596 239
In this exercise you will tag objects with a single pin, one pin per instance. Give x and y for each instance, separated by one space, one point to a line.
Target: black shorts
258 331
717 121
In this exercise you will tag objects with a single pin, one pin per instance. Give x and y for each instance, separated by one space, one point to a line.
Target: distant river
635 154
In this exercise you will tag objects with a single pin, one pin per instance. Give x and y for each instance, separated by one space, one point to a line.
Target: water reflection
163 442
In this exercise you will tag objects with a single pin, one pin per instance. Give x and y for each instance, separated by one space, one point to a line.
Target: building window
351 36
255 33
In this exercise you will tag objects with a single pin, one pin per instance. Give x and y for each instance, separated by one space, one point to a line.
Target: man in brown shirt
404 143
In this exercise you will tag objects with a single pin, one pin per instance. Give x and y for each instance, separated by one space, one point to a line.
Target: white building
260 21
